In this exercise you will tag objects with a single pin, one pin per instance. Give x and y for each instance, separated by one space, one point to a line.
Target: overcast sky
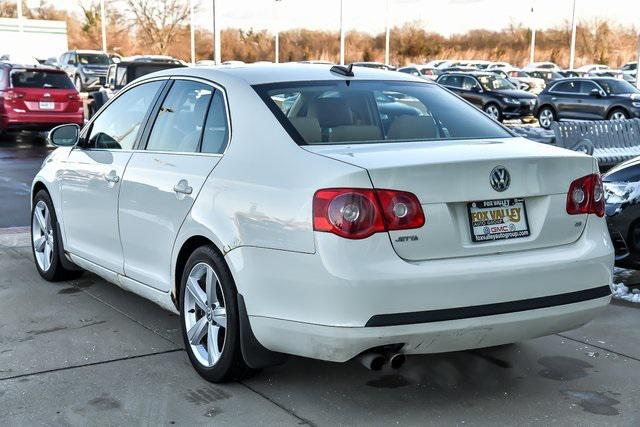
443 16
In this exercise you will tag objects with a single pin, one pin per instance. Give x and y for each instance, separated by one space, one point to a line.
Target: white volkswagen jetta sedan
305 210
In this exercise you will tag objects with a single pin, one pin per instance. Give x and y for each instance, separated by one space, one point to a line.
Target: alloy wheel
546 118
205 314
42 235
493 112
618 115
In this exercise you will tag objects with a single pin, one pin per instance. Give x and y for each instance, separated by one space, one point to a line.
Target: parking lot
86 352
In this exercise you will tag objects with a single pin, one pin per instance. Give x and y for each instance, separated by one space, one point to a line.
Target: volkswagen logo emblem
500 178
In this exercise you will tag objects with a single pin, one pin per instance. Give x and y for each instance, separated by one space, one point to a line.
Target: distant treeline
161 27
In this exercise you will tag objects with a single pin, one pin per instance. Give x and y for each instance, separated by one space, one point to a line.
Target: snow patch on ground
620 291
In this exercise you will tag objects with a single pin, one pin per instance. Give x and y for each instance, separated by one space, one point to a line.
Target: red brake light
356 213
401 210
586 196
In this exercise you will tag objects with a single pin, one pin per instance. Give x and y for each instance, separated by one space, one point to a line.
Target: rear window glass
342 112
40 79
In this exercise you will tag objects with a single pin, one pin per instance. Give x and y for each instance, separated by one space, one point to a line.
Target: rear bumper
330 305
341 344
39 121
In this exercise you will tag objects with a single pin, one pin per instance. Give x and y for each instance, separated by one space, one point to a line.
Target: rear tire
46 244
210 319
618 114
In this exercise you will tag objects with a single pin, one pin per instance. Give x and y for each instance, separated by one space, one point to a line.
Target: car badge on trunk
500 178
47 95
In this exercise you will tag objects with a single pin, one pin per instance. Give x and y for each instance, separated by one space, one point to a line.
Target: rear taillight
73 97
586 196
356 213
11 95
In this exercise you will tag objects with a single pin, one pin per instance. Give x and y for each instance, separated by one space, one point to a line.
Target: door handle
112 177
182 187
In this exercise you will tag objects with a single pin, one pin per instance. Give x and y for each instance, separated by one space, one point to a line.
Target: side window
469 83
216 132
72 57
452 81
566 87
117 127
179 123
586 87
63 59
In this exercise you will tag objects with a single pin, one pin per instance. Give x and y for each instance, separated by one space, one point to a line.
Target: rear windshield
40 79
343 112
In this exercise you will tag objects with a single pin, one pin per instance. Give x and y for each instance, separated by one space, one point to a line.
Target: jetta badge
500 178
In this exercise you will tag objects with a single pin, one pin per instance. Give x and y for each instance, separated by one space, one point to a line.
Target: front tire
546 116
46 245
493 111
209 317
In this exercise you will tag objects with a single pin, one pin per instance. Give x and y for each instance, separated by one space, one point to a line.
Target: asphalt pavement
86 352
21 155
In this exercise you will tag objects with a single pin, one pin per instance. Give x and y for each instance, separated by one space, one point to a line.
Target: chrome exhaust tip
372 361
397 360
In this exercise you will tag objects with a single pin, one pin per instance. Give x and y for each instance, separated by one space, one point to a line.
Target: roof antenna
342 70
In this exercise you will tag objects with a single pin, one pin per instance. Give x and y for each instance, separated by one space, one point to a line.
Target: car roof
86 51
255 74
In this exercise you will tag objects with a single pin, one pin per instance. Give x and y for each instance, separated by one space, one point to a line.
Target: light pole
103 21
572 52
387 35
341 32
532 54
19 9
216 36
192 33
277 42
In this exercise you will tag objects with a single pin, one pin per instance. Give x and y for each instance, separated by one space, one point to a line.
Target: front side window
586 87
469 83
451 81
181 118
617 87
339 112
117 127
40 79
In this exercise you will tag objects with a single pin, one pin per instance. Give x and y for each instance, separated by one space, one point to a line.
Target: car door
473 92
90 178
162 181
564 96
590 105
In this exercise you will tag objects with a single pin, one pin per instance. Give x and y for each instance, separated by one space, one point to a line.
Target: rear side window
216 131
117 126
339 112
567 87
181 118
40 79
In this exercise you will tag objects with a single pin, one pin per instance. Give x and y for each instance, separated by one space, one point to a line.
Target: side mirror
64 135
596 93
476 89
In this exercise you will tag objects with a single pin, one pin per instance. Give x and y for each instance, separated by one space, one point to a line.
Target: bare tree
158 22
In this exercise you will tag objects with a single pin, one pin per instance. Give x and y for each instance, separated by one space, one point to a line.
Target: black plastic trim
487 309
255 354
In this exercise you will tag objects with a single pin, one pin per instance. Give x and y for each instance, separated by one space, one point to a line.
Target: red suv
35 97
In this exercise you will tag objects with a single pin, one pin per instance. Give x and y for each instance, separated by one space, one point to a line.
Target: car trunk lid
447 177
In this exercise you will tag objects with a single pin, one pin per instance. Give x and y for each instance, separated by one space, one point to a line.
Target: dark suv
86 68
495 95
596 98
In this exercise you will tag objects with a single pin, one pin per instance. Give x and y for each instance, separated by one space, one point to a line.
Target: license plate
46 105
491 220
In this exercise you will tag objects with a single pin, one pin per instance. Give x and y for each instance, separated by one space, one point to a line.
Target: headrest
308 127
331 112
412 127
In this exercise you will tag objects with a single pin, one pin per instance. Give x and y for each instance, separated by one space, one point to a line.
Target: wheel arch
547 105
186 249
617 107
37 187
